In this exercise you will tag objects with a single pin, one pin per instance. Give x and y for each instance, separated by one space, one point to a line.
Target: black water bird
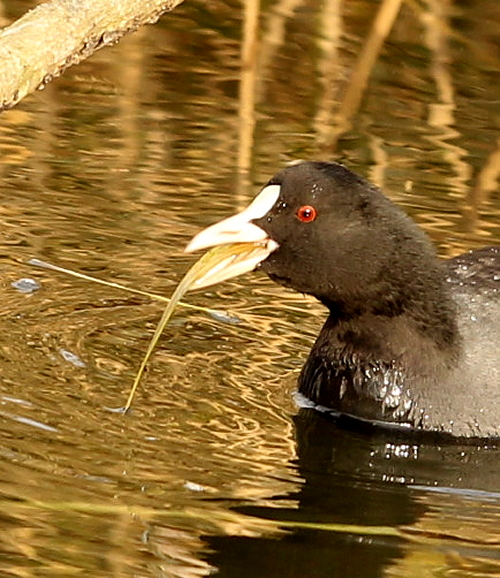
411 340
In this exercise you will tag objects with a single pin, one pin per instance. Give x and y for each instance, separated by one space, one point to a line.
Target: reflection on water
370 504
109 171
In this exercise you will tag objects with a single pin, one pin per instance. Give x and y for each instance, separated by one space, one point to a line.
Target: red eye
306 214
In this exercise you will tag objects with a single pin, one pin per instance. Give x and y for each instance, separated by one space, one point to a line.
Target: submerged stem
210 268
155 296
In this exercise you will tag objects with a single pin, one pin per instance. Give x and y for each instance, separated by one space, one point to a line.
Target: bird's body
389 370
410 339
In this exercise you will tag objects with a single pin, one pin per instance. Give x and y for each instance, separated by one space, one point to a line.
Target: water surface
109 171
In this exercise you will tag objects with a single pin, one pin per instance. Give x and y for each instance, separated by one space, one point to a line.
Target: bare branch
55 35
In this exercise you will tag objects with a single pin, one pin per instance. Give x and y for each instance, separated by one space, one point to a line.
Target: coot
411 340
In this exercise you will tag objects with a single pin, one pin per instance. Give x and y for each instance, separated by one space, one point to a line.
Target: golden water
110 171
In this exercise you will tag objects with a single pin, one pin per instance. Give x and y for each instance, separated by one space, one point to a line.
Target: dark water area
110 171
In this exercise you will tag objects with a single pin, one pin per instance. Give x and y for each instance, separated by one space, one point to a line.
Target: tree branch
55 35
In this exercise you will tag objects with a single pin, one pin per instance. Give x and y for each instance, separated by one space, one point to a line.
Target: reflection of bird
410 340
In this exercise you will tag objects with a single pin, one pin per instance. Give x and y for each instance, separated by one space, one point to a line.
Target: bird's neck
398 299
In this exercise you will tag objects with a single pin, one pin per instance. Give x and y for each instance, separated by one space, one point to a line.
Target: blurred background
109 171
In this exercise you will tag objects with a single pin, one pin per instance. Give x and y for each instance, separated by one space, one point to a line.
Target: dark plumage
410 339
